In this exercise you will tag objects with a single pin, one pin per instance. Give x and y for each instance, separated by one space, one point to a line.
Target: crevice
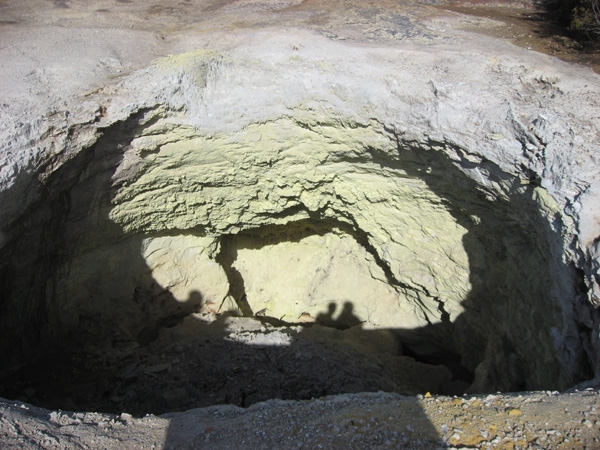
226 258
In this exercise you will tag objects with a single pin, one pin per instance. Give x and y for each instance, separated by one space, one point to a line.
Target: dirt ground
530 28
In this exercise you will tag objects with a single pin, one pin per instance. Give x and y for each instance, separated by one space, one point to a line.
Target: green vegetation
582 16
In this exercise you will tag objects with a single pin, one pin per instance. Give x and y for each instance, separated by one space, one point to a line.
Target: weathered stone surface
448 196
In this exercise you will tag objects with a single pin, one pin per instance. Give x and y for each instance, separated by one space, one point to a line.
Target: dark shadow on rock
247 362
129 345
326 319
61 349
523 295
237 290
142 351
347 317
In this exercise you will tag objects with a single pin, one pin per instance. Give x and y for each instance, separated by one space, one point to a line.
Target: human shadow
77 295
87 327
346 319
119 341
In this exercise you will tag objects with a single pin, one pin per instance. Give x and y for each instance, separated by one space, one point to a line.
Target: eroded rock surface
360 174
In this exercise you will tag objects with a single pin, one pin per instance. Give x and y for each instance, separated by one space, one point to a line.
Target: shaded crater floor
230 360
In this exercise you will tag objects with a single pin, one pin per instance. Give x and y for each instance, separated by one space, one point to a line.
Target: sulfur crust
285 170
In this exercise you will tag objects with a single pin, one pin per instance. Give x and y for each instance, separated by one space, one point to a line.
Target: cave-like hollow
161 270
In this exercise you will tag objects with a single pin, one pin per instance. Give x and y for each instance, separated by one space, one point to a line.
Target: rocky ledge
333 186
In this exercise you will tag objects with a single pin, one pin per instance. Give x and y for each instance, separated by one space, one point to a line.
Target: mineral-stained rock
447 198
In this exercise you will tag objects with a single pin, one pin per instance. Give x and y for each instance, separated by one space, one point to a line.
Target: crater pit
182 252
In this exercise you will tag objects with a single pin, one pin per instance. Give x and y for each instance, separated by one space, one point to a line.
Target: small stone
55 417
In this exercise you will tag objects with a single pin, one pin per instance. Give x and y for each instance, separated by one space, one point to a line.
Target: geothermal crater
231 229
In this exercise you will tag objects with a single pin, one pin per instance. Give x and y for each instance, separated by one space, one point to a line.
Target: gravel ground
536 420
